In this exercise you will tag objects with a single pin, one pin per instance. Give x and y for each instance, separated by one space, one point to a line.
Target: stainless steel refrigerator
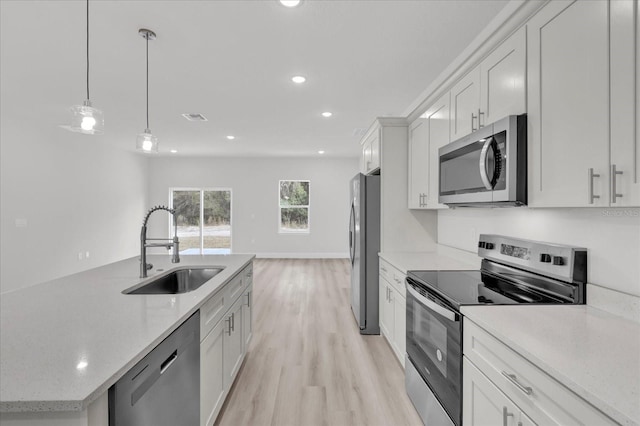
364 245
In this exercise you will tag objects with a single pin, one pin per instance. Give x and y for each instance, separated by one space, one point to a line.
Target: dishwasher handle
167 362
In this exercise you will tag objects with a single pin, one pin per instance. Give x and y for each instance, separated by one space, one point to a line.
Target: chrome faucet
168 242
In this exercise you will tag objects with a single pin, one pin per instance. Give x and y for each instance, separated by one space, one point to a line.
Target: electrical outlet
86 254
80 255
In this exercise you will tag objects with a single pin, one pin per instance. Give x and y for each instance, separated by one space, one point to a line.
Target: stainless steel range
513 271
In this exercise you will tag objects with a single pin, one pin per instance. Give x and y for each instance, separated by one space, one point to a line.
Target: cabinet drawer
247 276
394 276
233 289
210 313
536 393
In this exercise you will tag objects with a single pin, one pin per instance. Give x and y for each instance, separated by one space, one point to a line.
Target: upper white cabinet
494 89
370 160
582 107
427 134
624 170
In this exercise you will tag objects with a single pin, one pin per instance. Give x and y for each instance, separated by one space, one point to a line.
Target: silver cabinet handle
514 379
614 177
248 299
229 321
480 114
505 416
233 321
473 117
446 313
592 175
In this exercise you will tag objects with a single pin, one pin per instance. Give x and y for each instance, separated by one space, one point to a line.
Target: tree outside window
294 206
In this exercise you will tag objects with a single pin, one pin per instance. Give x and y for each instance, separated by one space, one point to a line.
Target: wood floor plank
308 364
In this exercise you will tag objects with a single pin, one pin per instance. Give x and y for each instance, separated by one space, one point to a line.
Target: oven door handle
446 313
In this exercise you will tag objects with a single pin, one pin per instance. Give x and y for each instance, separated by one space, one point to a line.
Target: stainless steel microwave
487 168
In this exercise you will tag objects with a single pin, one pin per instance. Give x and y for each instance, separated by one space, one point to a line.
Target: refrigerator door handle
352 245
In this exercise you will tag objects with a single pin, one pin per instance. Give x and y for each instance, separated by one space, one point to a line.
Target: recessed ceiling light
231 137
298 79
320 152
327 114
290 3
173 151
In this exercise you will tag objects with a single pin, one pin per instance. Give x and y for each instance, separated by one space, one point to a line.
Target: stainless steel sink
182 280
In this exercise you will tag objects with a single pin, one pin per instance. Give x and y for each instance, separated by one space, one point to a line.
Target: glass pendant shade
86 119
146 142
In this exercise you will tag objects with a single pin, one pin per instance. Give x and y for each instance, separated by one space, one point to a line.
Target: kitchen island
63 343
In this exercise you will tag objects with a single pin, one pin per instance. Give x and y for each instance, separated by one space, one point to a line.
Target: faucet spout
175 258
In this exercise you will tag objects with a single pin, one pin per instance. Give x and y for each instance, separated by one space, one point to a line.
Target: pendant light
146 142
85 118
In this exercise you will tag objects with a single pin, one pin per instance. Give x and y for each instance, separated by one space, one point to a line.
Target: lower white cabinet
484 404
502 387
224 345
393 308
233 346
212 389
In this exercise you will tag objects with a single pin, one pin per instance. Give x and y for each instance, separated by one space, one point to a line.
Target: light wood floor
307 363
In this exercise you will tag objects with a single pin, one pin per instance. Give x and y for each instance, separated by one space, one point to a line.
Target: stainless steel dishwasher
164 387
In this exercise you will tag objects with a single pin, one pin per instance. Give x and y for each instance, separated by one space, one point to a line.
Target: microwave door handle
450 315
483 163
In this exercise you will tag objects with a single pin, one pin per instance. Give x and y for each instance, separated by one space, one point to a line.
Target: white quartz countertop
592 352
63 343
441 258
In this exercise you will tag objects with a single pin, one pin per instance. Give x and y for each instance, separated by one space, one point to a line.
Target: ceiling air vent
359 132
195 117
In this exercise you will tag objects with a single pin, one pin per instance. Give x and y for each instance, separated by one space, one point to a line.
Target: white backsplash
612 237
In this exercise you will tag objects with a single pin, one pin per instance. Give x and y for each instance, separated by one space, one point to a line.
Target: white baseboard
302 255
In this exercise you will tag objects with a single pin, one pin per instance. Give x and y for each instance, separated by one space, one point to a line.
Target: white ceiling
232 62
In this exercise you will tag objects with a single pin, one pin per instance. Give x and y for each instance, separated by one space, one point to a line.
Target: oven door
434 346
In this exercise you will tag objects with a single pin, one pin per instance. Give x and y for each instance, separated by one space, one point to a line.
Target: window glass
294 206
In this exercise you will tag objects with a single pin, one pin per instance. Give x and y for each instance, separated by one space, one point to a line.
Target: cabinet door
375 152
483 404
233 343
384 310
400 325
247 312
503 79
212 390
568 104
366 157
438 120
418 164
625 107
465 103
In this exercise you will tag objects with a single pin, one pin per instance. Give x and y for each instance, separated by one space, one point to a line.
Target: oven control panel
566 263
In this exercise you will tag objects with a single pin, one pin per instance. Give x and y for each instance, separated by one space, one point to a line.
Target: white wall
76 192
254 184
612 236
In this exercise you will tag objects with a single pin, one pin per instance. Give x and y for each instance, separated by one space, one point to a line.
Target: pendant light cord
87 49
147 38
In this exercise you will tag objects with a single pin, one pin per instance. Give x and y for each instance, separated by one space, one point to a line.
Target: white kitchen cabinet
225 331
493 90
233 345
247 312
370 161
392 312
212 388
483 404
568 105
426 136
531 390
624 184
418 162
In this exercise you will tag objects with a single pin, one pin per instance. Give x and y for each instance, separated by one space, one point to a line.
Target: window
294 206
204 220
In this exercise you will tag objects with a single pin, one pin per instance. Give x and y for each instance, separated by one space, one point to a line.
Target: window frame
202 191
308 207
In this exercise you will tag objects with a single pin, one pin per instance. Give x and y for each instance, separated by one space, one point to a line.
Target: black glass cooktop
478 288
